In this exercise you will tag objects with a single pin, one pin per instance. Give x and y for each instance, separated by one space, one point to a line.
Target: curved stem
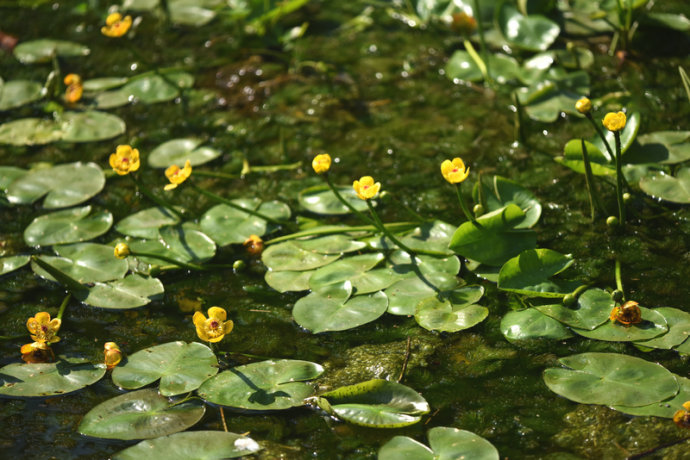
63 305
463 205
345 202
477 60
594 202
159 201
619 280
390 236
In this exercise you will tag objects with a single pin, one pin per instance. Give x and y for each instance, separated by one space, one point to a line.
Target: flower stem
385 231
594 202
159 201
619 179
463 205
63 305
347 203
619 281
477 59
597 128
332 230
482 40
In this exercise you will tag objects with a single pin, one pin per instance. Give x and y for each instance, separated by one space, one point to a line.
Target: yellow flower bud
583 105
454 171
122 250
254 245
321 163
366 188
614 121
113 355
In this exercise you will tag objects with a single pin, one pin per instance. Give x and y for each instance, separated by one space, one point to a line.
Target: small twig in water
407 357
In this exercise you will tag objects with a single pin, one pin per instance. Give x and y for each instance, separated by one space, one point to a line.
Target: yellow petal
217 313
199 319
228 326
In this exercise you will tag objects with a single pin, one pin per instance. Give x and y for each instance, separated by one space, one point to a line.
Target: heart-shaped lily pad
49 379
228 225
665 408
145 223
15 93
529 273
199 445
178 151
90 126
68 226
321 200
12 263
653 325
286 281
181 367
142 414
43 50
85 262
404 295
592 310
184 243
30 131
661 185
531 324
290 256
445 442
664 147
376 403
678 323
266 385
130 292
443 315
343 270
330 244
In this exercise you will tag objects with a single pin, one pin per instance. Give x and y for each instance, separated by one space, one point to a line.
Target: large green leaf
556 92
653 325
183 243
189 13
68 226
85 262
665 408
9 174
43 50
344 270
499 192
661 185
30 131
286 281
266 385
611 379
197 445
15 93
529 273
678 323
90 126
63 185
493 238
177 151
142 414
446 444
423 265
330 244
181 367
431 236
151 88
592 310
290 256
49 379
12 263
531 324
404 295
446 316
145 223
665 147
321 200
376 403
333 309
533 32
227 225
598 160
131 292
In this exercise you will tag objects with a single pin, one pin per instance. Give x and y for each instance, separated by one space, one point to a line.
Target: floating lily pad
661 185
321 200
493 238
286 281
198 445
85 262
532 324
142 414
183 243
330 244
556 92
103 84
443 315
462 67
145 223
63 185
534 32
43 50
228 225
66 375
664 147
130 292
404 295
192 14
9 174
344 270
290 256
611 379
30 131
431 236
665 408
529 274
446 443
500 192
153 88
678 323
592 310
177 151
266 385
333 308
15 93
12 263
402 263
653 325
598 160
376 403
68 226
181 367
90 126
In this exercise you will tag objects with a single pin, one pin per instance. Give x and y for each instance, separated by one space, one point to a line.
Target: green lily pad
672 21
291 257
343 270
653 325
573 159
575 57
130 292
286 281
228 225
611 379
12 263
15 93
375 280
321 200
376 403
90 126
9 174
529 274
177 151
142 414
266 385
500 192
333 308
184 243
531 324
592 310
402 263
556 92
43 50
664 147
446 443
665 408
534 32
145 223
30 131
443 315
151 88
103 84
493 238
404 295
431 236
181 367
661 185
462 67
63 185
84 262
188 13
330 244
66 375
68 226
198 445
678 323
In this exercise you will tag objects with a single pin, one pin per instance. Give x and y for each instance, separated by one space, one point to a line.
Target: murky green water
381 106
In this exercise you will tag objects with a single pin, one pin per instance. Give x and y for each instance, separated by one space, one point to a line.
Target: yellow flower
74 89
366 188
583 105
176 175
43 329
124 160
215 327
454 171
682 417
37 352
321 163
614 121
116 25
122 250
113 355
627 314
254 245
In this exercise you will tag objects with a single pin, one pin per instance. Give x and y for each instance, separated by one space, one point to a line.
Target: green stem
477 60
333 230
597 128
619 179
463 205
159 201
177 263
345 202
519 132
385 231
215 175
619 281
589 179
11 337
63 305
482 40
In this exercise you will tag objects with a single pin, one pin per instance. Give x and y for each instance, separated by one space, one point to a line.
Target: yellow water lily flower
213 328
627 314
74 89
37 352
321 163
454 171
682 416
122 250
583 105
614 121
254 245
43 329
113 355
176 175
366 188
124 160
116 25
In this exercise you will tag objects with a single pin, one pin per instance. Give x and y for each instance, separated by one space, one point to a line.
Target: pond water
373 94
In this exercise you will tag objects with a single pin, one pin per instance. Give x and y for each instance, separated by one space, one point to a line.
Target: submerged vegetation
287 167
